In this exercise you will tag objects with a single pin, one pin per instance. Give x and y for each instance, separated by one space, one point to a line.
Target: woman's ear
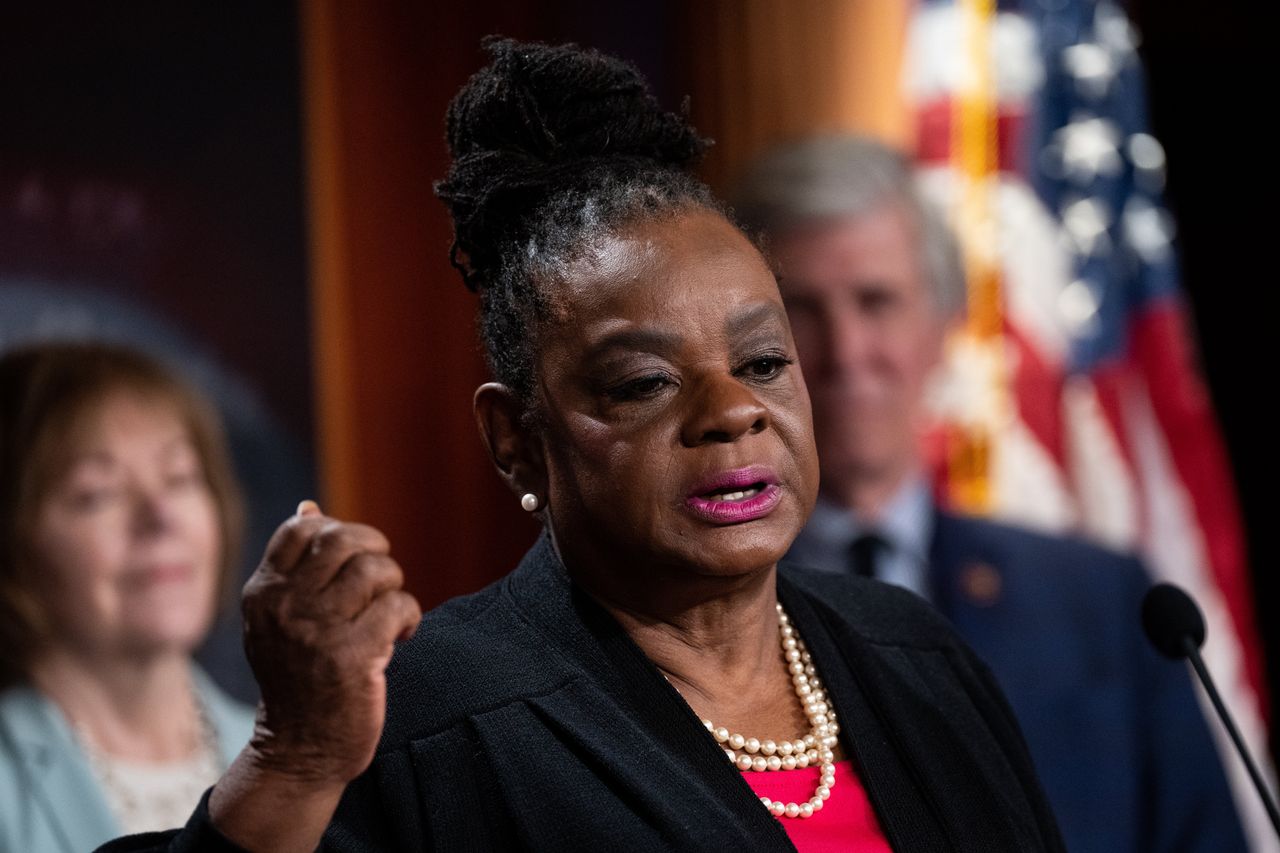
515 451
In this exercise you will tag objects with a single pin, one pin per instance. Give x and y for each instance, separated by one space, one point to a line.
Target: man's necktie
866 549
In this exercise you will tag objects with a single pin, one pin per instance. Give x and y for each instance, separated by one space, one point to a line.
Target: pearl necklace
749 753
131 810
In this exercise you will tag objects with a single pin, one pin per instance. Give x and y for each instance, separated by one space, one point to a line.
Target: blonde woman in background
119 521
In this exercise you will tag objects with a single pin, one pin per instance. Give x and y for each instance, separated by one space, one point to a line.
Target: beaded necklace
816 747
150 808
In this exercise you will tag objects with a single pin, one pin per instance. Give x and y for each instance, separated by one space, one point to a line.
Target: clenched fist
322 613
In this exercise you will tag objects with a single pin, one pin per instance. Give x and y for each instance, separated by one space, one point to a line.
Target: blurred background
245 188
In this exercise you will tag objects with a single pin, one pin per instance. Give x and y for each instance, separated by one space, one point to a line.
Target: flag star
1114 31
1086 222
1078 308
1092 66
1148 229
1147 155
1090 148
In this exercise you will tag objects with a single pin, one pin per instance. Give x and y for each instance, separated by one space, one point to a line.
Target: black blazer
523 718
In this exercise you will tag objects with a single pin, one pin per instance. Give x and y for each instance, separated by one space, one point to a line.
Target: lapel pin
980 583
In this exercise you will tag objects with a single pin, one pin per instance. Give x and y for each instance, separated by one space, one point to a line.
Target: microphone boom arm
1193 655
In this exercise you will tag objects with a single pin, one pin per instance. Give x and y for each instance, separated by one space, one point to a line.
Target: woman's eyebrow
753 316
90 459
658 341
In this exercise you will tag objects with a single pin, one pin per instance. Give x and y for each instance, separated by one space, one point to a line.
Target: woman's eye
87 500
766 367
638 389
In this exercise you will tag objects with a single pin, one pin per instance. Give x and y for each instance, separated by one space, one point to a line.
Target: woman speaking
646 678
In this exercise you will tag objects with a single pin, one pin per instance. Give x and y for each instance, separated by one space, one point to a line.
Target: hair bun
558 103
541 119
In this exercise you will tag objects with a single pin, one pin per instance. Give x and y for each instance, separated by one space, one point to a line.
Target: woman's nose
724 410
153 512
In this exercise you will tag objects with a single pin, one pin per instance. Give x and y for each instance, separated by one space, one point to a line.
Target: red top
845 823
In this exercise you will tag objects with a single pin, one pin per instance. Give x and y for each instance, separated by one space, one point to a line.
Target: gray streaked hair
848 176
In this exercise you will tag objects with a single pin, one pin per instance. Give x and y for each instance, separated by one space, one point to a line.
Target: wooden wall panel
396 358
763 71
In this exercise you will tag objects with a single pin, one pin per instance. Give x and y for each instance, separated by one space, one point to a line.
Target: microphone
1174 625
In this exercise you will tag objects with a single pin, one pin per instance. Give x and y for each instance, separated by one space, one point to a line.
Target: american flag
1071 401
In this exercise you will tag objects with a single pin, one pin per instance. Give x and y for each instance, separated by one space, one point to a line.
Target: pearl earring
529 501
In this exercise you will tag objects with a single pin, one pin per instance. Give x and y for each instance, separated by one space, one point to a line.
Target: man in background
872 282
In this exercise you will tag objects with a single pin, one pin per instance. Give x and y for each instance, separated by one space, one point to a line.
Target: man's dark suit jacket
1118 738
524 718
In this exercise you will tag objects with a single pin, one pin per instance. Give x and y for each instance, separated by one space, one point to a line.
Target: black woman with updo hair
648 678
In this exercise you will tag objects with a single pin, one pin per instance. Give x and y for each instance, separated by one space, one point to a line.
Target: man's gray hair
849 176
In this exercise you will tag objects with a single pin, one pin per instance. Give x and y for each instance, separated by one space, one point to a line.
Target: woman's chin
177 631
159 643
743 549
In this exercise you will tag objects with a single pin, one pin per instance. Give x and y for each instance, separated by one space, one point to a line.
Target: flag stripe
1183 412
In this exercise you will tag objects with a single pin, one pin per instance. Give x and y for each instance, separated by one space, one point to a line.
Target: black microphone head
1169 616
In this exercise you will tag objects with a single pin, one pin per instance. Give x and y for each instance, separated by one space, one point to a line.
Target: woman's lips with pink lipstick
733 497
159 574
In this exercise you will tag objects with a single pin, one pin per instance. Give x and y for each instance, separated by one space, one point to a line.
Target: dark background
157 154
1210 96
